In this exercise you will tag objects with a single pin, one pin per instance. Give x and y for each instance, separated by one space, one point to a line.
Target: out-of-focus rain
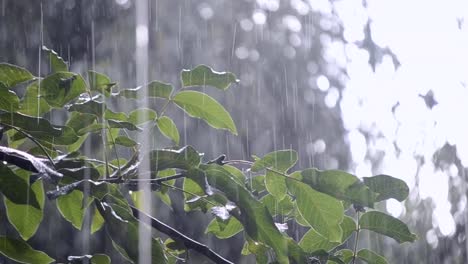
367 86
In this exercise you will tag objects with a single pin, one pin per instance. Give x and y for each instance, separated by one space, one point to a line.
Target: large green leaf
313 241
348 225
142 115
26 218
339 184
280 161
100 82
21 252
78 121
275 207
224 229
201 105
387 187
168 129
152 89
184 158
203 75
32 104
12 75
125 141
321 211
254 216
16 188
9 101
61 87
122 227
371 257
122 124
386 225
97 221
57 63
71 208
89 107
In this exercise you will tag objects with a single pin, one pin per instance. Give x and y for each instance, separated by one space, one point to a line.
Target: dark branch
179 237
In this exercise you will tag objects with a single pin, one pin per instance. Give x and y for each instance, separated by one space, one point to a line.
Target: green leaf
371 257
281 160
123 124
348 226
200 105
339 184
32 104
100 259
275 184
97 221
275 207
56 62
346 255
16 188
8 99
192 202
61 87
386 225
78 121
26 218
125 141
89 107
184 158
387 187
71 208
254 216
313 241
119 116
152 89
21 252
12 75
203 75
122 227
224 229
142 115
100 82
168 129
323 212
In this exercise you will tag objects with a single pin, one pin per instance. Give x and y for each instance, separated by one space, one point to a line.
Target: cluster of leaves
260 201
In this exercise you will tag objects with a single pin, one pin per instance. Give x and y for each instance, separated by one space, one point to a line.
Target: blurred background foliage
293 59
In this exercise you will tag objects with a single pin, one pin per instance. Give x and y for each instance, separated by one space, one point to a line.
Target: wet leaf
339 184
97 222
100 82
386 225
57 63
371 257
60 88
321 211
78 121
348 225
32 104
142 115
200 105
16 188
71 208
184 158
9 101
203 75
123 124
12 75
168 129
281 160
313 241
26 218
224 229
152 89
254 216
89 107
387 187
275 207
22 252
125 141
